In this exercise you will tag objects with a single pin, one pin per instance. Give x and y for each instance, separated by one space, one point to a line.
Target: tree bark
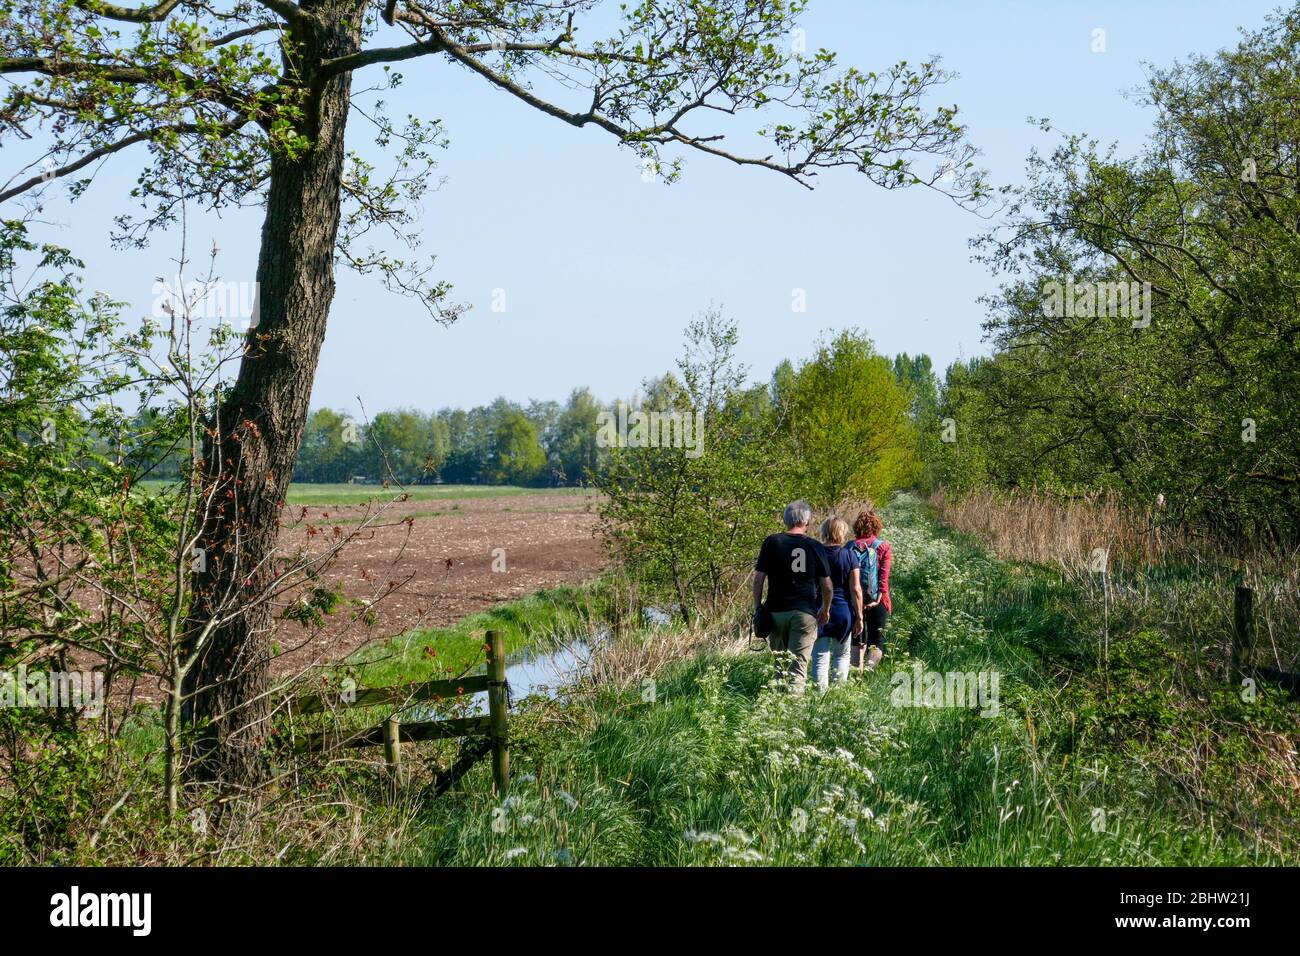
252 441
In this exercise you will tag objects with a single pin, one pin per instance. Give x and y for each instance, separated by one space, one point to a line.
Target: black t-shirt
794 565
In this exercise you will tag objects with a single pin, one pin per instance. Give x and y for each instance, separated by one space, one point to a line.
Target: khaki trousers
793 635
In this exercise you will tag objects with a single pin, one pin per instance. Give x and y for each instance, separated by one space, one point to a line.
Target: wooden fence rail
493 727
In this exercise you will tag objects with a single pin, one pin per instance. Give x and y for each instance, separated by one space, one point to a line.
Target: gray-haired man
794 567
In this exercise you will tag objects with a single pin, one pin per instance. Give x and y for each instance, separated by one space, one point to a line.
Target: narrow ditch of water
547 672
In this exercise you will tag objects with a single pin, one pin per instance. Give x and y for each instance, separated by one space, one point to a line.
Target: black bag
763 622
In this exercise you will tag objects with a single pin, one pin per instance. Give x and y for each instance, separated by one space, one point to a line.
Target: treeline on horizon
540 444
503 443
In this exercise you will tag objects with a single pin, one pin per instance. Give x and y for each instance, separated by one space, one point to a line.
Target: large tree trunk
253 441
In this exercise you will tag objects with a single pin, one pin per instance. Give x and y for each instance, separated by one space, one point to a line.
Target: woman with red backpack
874 559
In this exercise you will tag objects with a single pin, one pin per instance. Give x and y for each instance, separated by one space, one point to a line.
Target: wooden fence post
393 748
1243 632
498 705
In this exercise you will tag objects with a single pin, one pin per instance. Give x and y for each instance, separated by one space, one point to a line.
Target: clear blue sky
601 270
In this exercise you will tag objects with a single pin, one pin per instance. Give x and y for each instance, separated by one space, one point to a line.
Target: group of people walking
827 601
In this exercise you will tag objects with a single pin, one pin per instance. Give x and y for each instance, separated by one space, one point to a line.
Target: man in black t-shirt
799 591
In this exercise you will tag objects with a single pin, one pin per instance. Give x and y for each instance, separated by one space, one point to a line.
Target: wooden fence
490 732
1243 644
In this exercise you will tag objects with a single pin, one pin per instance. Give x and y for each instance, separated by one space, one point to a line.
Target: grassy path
721 768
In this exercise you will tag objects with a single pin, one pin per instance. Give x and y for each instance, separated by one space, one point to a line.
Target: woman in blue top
832 651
